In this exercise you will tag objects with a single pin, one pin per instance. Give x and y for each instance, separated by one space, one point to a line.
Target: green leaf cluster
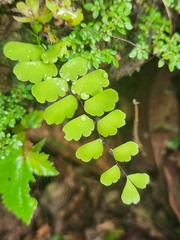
124 153
133 181
114 15
173 4
97 102
35 63
111 18
170 52
154 37
11 112
114 19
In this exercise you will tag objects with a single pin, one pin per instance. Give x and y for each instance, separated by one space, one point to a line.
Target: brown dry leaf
43 231
106 226
76 236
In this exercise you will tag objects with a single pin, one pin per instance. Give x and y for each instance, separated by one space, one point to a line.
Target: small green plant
154 37
174 143
11 112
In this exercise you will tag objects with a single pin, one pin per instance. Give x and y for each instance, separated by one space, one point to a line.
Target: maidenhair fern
75 85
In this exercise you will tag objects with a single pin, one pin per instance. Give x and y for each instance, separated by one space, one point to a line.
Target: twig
135 128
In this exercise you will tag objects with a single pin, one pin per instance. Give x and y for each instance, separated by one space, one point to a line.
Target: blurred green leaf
23 9
174 143
133 53
128 26
33 6
45 15
38 163
32 120
53 6
38 146
140 54
23 19
77 18
171 65
106 38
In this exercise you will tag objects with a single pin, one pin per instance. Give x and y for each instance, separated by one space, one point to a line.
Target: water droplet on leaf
83 118
84 96
105 75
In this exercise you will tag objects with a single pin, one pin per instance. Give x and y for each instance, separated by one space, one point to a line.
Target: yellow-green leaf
124 152
90 150
110 176
130 194
78 127
102 102
107 126
57 112
73 68
49 90
34 71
